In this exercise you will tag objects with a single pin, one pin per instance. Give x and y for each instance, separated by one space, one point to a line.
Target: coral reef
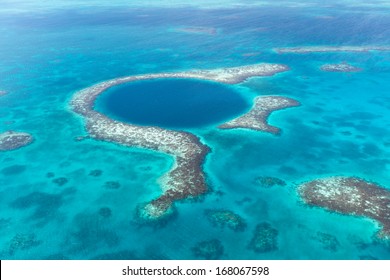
257 117
208 250
264 239
23 242
45 205
12 140
222 218
113 185
3 92
105 212
268 182
328 241
186 179
352 196
60 181
155 213
95 173
90 230
340 67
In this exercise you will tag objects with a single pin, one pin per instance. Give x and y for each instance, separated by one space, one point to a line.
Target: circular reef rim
186 179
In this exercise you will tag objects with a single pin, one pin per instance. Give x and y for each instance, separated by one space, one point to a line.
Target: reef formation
12 140
221 218
329 242
351 196
314 49
264 238
257 117
60 181
186 179
268 182
23 242
208 250
340 67
3 92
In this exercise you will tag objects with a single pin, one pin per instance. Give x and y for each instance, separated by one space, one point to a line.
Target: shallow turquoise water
172 103
342 128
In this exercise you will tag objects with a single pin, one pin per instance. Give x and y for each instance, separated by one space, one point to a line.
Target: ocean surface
67 199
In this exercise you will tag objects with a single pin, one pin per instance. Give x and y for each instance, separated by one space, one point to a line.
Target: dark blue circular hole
172 103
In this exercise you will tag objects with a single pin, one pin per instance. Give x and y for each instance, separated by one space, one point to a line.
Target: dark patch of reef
351 196
13 170
112 185
12 140
225 218
268 182
91 230
50 175
60 181
264 239
105 212
329 242
95 173
208 249
45 205
22 242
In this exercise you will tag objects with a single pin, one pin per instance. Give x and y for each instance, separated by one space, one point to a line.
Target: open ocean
67 199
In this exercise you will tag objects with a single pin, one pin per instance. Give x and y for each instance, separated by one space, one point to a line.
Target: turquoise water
342 128
172 103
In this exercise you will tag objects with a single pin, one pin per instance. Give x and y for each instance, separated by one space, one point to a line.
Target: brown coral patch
352 196
257 117
12 140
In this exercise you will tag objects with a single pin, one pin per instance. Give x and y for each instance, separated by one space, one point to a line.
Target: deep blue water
61 198
172 103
